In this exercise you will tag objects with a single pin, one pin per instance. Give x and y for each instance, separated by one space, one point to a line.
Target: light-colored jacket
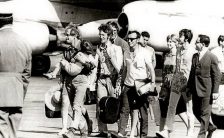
115 54
15 68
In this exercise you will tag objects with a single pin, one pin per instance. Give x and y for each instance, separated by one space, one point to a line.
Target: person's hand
63 62
118 89
81 58
215 96
153 85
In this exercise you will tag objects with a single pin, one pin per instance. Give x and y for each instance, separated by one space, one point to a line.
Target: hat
53 100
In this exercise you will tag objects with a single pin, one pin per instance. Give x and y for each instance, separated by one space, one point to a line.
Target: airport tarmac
35 124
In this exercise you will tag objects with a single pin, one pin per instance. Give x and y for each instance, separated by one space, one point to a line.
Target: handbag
90 97
143 87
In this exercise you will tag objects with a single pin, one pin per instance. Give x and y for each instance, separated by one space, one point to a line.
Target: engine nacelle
36 34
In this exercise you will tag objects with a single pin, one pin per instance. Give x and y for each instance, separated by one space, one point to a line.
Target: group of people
191 79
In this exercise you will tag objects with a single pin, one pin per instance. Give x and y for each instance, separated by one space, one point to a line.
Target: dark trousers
202 110
10 118
131 101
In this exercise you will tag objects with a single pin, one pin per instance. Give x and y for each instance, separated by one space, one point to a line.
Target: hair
172 36
114 24
106 29
75 32
6 18
136 32
145 34
204 39
187 34
220 38
86 47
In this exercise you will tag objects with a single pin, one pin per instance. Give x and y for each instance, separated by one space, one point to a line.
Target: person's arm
27 72
154 59
117 61
151 70
215 76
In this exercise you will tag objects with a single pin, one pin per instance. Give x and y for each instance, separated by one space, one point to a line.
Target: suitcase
109 109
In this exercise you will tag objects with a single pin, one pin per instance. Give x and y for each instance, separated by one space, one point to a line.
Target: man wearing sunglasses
137 66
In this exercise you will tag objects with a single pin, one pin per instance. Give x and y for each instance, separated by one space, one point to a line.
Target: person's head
145 36
221 40
172 40
185 36
202 41
133 38
105 33
114 27
73 37
6 19
86 47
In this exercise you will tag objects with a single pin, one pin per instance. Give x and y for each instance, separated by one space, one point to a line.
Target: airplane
39 20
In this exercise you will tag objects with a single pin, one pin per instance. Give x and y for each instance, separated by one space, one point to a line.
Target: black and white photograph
111 69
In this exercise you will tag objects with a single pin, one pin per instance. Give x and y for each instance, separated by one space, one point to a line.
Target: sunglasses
131 39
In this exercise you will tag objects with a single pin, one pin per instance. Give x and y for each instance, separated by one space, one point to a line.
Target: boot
89 123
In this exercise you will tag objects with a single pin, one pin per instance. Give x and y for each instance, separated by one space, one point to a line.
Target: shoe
121 135
101 134
49 76
63 131
210 132
90 127
163 134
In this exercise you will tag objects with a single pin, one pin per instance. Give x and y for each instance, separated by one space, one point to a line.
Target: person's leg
183 117
190 117
144 120
156 110
134 122
80 83
168 127
9 121
173 101
53 74
101 92
205 113
64 113
150 112
162 123
124 113
15 116
88 120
